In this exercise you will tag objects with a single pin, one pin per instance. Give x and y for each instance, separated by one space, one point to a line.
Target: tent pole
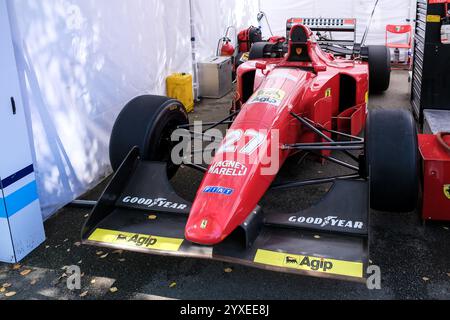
194 52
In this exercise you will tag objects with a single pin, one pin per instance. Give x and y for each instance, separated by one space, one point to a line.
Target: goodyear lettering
151 203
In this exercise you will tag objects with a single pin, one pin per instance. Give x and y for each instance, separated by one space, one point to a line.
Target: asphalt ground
414 258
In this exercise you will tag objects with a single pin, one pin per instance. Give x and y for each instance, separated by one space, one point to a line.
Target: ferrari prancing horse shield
447 191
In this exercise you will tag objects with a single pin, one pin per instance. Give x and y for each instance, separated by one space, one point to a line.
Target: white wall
212 17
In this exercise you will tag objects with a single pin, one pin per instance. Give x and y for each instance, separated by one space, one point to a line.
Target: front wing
268 241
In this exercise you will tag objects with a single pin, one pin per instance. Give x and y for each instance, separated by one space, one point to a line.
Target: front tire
148 123
392 160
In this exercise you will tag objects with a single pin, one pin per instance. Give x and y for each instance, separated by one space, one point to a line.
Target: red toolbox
435 150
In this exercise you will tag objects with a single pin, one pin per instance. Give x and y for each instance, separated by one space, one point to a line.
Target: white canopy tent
80 61
387 12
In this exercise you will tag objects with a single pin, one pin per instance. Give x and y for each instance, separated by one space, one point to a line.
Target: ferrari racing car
293 96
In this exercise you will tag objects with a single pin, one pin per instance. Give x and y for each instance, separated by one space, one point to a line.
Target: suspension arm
313 127
312 182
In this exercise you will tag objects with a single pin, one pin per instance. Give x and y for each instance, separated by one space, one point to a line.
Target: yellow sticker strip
433 18
313 264
134 240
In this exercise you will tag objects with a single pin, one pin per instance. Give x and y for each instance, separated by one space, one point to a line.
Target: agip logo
309 263
270 96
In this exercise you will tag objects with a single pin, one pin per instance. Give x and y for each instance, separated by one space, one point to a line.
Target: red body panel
280 87
436 166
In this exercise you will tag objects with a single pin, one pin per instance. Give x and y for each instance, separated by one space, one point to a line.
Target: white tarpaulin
213 17
80 61
387 12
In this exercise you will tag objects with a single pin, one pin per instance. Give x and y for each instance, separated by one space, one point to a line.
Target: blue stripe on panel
21 199
19 175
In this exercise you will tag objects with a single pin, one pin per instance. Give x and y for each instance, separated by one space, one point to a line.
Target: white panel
80 61
14 142
27 230
15 156
6 249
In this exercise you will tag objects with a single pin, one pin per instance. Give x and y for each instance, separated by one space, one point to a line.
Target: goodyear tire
148 123
392 160
379 58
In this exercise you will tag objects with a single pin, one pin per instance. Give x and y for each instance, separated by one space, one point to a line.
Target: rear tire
260 50
379 68
392 160
148 123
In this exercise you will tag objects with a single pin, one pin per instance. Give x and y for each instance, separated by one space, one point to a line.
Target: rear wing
325 29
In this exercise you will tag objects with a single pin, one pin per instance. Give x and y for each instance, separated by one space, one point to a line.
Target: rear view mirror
320 68
261 65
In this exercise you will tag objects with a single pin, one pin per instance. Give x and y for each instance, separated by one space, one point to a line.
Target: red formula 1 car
293 96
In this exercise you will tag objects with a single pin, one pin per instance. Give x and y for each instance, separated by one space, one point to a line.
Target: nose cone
205 231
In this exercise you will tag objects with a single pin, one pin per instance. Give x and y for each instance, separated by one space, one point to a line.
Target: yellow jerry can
180 87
